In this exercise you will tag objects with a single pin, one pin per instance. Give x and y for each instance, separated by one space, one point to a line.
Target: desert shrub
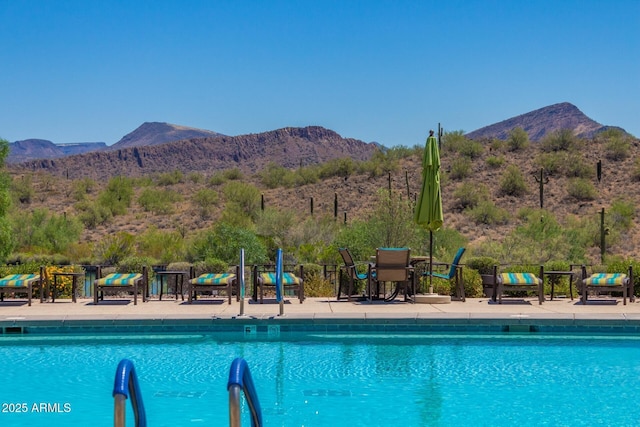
621 214
274 176
495 162
22 189
497 145
581 189
472 283
233 174
315 285
342 167
483 265
170 178
486 212
561 140
470 149
512 182
135 264
242 203
166 246
576 167
635 174
518 139
45 230
117 196
469 194
460 168
92 214
551 162
159 202
82 187
622 266
210 265
114 248
216 179
274 225
306 175
224 242
617 149
205 200
195 178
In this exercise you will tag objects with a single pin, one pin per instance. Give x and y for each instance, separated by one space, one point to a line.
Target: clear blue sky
385 71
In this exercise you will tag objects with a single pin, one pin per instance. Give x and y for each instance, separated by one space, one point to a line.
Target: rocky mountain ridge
287 147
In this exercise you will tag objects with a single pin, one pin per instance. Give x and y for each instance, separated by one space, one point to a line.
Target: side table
179 277
551 274
74 284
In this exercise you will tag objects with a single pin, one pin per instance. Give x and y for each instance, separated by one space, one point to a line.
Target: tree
7 241
518 139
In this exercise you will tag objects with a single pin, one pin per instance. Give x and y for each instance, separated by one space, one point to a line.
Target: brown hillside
288 147
357 193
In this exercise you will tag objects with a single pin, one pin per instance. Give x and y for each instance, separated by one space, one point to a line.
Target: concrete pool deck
561 309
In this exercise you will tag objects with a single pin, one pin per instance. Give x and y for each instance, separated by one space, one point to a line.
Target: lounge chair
455 272
350 268
208 282
264 277
608 283
392 265
22 283
518 282
118 282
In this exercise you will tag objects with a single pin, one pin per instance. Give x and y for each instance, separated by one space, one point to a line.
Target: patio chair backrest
456 262
392 264
346 257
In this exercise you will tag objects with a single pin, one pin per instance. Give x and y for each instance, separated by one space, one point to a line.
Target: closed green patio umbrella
428 212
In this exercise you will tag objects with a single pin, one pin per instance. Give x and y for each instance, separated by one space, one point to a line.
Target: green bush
117 196
159 202
216 179
495 162
233 174
195 178
581 189
635 174
82 187
622 266
210 265
483 265
315 285
274 176
621 214
461 168
205 200
93 214
512 182
551 162
472 283
224 242
561 140
518 139
170 178
22 189
114 248
468 195
576 167
486 212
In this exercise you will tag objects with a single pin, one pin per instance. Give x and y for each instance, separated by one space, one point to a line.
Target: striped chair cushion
213 279
607 279
518 279
119 279
287 279
18 280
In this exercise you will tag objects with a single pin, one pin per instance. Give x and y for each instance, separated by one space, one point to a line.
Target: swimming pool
330 379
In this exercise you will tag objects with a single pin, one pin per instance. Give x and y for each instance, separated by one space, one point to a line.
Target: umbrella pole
430 261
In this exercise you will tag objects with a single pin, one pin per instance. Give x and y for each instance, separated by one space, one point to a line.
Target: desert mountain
156 133
541 122
288 147
30 149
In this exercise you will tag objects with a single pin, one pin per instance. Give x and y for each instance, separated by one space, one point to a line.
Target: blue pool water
330 380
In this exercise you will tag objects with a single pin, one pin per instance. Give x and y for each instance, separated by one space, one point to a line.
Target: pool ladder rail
240 380
125 386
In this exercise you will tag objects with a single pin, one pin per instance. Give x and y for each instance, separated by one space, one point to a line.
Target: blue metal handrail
240 379
125 386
